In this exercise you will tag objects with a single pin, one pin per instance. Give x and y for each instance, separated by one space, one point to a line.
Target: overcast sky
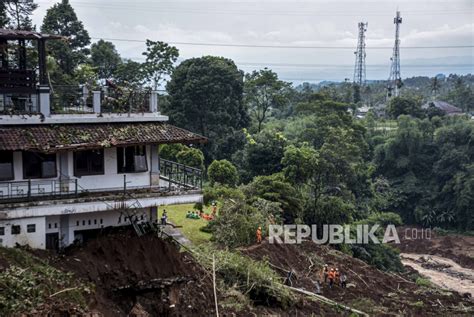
291 23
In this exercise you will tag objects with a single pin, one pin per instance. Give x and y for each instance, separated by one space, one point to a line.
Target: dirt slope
127 270
372 291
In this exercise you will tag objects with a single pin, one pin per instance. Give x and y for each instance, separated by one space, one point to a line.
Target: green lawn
190 229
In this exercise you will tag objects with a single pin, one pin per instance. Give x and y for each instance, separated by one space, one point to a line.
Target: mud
383 293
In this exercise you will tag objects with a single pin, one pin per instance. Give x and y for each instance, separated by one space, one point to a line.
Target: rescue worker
259 235
343 280
337 277
164 218
324 274
332 277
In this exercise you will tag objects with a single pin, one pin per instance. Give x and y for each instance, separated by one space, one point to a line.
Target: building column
154 166
64 231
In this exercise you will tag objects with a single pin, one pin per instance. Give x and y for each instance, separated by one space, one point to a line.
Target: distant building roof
448 108
55 138
8 34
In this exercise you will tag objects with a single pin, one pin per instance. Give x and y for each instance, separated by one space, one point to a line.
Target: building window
16 229
39 165
31 228
131 159
55 225
101 221
89 162
95 221
89 222
49 225
2 231
6 165
77 223
83 222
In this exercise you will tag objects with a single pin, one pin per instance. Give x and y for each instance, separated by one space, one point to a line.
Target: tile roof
54 138
443 105
8 34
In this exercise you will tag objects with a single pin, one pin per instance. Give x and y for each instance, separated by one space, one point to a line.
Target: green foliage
62 20
170 151
237 223
261 154
19 14
384 219
130 73
160 58
264 93
105 58
404 106
222 172
277 189
29 282
205 96
191 157
420 281
254 278
221 193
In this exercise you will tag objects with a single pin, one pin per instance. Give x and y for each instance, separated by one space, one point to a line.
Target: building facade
75 160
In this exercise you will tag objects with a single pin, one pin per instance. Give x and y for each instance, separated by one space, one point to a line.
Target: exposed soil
456 247
128 270
369 289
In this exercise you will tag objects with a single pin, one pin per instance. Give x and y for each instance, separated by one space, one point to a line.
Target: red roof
54 138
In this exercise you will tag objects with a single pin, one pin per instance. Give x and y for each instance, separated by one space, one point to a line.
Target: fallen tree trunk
327 300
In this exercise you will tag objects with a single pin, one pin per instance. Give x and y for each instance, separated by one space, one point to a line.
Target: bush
222 172
191 157
237 223
420 281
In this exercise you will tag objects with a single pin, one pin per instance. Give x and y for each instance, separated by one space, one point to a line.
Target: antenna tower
395 79
359 68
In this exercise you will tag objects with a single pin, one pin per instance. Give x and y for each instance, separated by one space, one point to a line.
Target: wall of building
34 239
111 179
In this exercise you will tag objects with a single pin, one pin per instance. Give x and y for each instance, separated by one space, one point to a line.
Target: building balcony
175 179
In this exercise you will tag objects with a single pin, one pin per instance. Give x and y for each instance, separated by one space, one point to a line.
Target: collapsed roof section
55 138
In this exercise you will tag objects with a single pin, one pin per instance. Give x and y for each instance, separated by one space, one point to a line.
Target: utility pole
395 80
359 68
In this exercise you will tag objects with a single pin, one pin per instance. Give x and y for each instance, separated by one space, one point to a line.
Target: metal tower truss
395 80
359 68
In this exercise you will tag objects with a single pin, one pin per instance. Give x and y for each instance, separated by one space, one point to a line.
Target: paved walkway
176 234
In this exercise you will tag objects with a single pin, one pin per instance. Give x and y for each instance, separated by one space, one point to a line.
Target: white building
71 166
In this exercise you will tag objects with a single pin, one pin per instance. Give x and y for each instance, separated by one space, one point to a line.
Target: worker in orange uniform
332 277
259 235
337 277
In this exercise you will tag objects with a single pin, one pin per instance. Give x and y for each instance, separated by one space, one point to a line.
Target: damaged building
75 160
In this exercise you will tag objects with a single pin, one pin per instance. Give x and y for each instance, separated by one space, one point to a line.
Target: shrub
222 172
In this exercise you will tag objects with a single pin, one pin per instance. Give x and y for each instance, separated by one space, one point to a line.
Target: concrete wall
35 240
67 208
111 179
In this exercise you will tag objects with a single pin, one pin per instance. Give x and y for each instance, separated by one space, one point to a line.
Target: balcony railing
178 177
71 99
28 189
181 175
125 101
19 104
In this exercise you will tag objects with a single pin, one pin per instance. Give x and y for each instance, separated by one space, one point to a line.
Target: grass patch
423 282
191 228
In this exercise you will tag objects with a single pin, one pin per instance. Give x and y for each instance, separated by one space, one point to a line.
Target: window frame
41 174
120 155
12 168
2 231
29 226
13 232
89 173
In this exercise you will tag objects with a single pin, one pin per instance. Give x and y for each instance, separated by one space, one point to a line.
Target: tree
263 92
191 157
3 15
20 12
276 188
222 172
407 106
160 58
205 96
105 58
130 73
62 20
